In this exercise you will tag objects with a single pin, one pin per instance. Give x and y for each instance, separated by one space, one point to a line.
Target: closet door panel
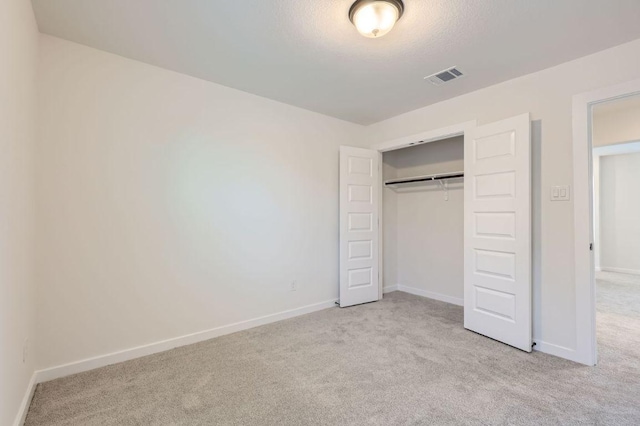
498 231
359 240
498 225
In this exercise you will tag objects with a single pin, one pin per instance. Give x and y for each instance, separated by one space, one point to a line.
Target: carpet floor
405 360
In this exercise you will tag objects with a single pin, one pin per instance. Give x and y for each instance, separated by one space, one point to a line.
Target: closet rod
439 176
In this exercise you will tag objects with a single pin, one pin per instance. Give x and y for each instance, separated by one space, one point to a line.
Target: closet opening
444 214
423 219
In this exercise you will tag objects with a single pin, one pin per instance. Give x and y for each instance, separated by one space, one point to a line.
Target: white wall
167 202
171 205
599 153
620 213
595 163
389 228
427 232
547 95
18 62
616 126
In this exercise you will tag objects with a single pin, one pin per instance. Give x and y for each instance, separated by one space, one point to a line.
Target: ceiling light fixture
375 18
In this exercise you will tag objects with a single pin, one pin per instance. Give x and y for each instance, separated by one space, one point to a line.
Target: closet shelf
425 178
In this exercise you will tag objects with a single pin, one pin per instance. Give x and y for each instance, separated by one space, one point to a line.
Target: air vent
444 76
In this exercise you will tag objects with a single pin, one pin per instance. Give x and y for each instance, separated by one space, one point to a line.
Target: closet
423 226
444 214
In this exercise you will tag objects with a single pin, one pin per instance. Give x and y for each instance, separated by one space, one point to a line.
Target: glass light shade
375 19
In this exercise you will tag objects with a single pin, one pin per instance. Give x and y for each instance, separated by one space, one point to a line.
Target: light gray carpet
403 361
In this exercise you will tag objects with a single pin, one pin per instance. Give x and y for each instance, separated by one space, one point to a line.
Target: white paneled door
359 235
497 231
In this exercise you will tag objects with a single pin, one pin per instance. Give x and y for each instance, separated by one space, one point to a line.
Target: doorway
496 222
606 124
616 209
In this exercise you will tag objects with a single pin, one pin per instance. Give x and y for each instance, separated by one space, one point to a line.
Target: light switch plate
561 193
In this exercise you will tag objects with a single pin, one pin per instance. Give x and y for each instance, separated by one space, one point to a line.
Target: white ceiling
307 53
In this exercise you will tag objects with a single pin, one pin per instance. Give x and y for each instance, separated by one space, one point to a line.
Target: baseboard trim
541 346
26 401
165 345
389 289
620 270
431 295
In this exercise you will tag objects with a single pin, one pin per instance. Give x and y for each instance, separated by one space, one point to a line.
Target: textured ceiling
307 53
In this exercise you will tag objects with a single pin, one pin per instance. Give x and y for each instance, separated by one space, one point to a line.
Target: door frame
404 142
584 266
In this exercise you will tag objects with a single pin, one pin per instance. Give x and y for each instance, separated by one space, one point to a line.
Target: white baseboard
165 345
541 346
620 270
431 295
26 401
52 373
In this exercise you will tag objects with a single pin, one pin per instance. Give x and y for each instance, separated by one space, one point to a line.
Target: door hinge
591 246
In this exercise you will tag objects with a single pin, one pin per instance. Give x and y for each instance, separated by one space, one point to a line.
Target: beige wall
616 122
547 95
18 62
170 205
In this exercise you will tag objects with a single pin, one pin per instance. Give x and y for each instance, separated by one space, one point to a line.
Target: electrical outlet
294 285
25 350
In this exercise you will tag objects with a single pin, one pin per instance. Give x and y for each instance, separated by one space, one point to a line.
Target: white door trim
586 348
617 149
425 137
403 142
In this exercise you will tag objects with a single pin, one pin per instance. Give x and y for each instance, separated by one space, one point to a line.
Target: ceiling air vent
444 76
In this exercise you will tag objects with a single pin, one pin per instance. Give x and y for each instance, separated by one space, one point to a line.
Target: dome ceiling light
375 18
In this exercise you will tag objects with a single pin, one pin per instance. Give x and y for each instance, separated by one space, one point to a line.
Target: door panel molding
360 204
497 250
